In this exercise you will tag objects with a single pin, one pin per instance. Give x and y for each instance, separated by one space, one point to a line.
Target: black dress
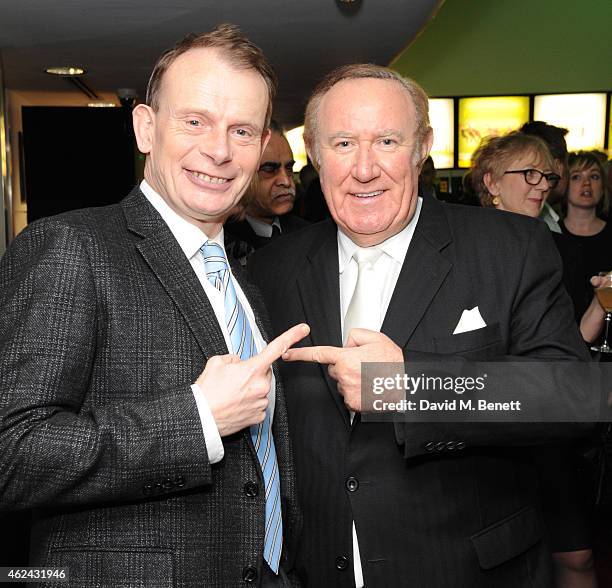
595 251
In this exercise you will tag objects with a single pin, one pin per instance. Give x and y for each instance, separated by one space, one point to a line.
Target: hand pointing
236 390
344 363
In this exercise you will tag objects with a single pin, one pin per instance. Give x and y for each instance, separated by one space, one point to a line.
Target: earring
495 201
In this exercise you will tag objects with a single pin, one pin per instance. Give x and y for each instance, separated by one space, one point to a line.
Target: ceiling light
101 104
65 71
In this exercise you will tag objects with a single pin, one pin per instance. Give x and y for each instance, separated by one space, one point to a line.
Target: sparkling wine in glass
604 296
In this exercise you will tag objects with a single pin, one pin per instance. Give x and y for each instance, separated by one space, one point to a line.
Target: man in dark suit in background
148 455
270 197
408 504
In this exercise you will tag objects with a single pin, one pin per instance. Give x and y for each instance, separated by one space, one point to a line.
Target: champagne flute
604 296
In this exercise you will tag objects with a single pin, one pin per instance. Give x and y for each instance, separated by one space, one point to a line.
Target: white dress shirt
262 229
386 272
190 238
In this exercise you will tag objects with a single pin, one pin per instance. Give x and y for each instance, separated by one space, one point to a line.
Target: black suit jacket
103 328
241 240
435 505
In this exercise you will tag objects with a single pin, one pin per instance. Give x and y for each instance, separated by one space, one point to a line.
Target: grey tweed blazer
103 327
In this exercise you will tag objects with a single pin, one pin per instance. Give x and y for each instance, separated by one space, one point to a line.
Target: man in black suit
148 454
408 504
270 198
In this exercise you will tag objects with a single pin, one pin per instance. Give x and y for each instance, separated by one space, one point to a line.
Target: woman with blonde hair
514 173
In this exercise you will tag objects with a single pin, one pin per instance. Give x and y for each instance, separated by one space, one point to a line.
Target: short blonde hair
364 71
494 155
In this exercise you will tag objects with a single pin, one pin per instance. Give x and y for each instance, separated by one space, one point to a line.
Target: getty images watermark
463 391
412 385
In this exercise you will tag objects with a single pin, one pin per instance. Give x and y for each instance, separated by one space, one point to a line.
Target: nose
216 145
366 167
543 185
284 177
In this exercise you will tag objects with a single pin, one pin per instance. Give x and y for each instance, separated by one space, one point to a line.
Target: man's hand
345 362
236 390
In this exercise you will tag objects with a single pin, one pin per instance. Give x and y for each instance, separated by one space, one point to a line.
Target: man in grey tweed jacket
124 423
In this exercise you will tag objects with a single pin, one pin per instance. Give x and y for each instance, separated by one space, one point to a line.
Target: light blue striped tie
243 345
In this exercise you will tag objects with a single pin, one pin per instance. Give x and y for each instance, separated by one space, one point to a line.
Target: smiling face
274 191
585 188
365 151
513 191
204 142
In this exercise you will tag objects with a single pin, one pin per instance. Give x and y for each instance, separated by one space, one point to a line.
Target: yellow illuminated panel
584 115
441 117
296 142
483 117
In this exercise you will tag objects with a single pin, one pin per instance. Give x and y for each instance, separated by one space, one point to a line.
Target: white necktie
364 309
363 312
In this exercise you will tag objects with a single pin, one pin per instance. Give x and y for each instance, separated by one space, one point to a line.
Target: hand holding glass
604 296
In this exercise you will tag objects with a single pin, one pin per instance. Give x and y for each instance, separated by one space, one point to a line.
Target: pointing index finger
319 354
275 349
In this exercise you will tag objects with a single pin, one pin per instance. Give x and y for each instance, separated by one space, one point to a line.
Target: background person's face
206 138
274 190
585 187
365 146
515 194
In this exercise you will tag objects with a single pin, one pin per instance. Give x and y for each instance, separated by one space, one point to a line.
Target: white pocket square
470 321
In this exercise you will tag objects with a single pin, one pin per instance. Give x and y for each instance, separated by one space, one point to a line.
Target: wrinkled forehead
370 104
529 158
277 149
200 68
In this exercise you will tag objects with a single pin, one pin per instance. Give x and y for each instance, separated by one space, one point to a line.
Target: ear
426 147
265 137
311 151
143 119
491 185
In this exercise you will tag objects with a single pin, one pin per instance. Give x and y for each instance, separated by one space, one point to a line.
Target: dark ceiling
117 41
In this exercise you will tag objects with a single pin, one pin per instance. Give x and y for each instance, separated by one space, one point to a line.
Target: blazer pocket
468 343
508 538
116 568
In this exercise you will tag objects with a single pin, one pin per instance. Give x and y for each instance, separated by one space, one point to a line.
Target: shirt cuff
214 445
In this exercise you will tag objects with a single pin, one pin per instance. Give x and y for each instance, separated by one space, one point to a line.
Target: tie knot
366 256
214 257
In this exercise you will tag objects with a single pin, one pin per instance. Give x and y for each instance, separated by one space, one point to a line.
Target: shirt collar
262 229
190 238
395 246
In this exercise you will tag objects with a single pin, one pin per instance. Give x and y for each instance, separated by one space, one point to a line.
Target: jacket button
450 445
342 562
251 489
429 446
249 574
159 487
168 484
441 446
179 481
147 489
352 484
461 445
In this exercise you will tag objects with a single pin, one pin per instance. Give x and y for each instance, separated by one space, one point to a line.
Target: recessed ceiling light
101 104
65 71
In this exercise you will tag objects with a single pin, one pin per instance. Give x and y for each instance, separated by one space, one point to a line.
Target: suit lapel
319 289
423 272
167 261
